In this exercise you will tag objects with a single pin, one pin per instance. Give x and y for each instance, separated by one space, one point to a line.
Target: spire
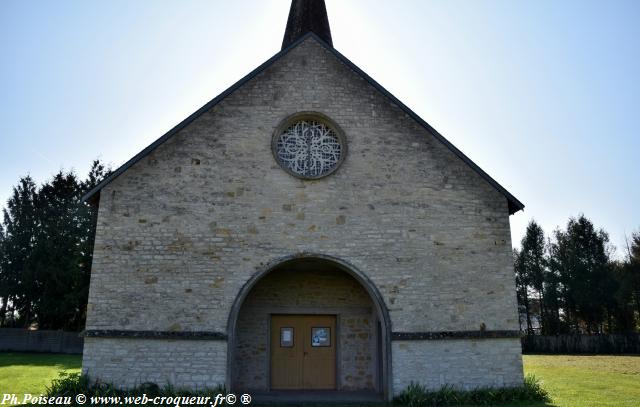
305 16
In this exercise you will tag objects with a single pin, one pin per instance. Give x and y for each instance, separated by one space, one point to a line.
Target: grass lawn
22 373
570 380
574 380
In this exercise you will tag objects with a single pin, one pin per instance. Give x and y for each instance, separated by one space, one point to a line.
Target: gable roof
514 204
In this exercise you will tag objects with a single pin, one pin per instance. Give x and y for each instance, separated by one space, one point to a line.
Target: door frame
306 312
382 312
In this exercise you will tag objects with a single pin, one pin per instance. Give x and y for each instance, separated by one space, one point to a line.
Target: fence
25 340
605 344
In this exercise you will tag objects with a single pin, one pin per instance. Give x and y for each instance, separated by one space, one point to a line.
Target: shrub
418 396
71 384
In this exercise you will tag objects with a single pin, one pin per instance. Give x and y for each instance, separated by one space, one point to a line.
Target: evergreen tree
621 308
581 261
4 282
522 288
46 248
632 267
18 273
88 215
56 257
553 302
534 263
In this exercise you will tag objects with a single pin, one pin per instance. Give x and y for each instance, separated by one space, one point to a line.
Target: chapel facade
304 230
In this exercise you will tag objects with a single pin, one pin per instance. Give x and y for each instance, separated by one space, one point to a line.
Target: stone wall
463 363
308 288
130 362
182 230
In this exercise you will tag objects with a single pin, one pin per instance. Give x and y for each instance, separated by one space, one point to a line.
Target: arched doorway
298 313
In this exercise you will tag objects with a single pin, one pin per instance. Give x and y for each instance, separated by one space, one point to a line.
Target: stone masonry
131 362
182 230
308 289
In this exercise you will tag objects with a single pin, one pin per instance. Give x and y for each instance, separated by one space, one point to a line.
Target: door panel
303 363
319 367
286 361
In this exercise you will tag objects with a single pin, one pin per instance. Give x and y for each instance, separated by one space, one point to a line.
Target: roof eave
514 204
147 150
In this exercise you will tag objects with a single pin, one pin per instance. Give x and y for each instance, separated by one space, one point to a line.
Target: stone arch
342 265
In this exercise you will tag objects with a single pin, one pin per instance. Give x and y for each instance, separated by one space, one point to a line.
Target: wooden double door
303 352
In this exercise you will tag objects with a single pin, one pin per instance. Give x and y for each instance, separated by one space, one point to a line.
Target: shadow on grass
59 360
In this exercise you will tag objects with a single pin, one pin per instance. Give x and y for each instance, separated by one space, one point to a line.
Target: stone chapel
303 230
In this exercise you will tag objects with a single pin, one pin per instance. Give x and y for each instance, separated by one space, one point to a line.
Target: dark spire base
305 16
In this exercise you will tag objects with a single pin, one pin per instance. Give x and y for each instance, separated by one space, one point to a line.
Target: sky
543 95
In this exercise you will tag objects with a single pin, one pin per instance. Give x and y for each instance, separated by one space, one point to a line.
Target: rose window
309 149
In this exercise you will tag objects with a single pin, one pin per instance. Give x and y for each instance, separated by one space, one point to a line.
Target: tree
621 307
553 301
632 269
533 261
88 215
65 248
18 273
522 288
56 256
581 261
46 249
4 282
575 282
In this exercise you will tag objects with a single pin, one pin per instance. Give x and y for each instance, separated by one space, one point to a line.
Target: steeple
305 16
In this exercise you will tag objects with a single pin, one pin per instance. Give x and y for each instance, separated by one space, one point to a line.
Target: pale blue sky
543 95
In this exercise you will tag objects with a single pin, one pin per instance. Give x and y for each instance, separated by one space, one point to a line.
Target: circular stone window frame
309 116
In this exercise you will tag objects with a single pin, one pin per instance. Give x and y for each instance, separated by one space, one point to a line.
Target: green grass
585 380
572 381
22 373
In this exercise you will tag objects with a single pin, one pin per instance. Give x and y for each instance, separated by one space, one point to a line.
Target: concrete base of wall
463 363
201 364
196 364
